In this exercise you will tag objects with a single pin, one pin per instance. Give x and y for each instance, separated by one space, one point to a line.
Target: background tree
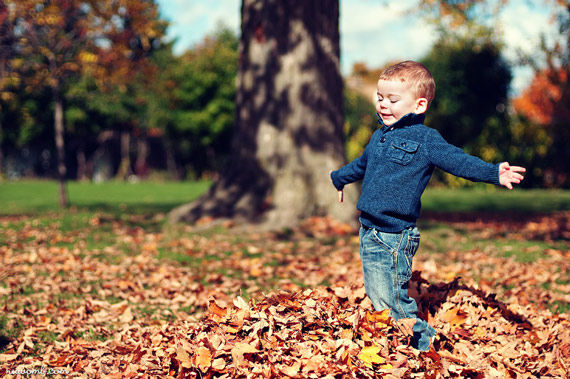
128 67
7 40
288 131
546 104
58 39
52 35
538 128
203 103
472 81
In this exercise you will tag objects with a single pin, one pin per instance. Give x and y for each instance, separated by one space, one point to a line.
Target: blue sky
372 31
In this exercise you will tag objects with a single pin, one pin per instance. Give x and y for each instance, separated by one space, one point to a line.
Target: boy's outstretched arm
510 174
340 192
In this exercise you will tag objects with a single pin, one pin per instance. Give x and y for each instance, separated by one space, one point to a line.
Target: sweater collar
407 120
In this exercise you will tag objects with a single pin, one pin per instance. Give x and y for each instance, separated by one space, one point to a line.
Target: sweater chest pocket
402 151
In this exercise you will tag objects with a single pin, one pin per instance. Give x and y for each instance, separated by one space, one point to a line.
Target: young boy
395 167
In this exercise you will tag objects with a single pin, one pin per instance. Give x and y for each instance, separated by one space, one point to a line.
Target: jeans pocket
409 252
388 241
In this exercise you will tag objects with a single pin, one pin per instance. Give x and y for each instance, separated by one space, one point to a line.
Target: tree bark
171 165
60 147
289 119
124 170
141 163
81 164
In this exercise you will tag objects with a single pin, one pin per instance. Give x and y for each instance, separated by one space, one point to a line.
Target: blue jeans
387 268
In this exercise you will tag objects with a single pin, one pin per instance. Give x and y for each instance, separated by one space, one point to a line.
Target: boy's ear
421 105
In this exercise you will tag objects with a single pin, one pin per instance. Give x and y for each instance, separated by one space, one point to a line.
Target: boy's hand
510 174
340 193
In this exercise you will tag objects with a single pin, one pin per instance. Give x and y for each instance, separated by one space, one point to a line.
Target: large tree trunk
60 147
289 118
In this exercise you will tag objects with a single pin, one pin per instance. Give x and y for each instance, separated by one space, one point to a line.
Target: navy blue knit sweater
396 166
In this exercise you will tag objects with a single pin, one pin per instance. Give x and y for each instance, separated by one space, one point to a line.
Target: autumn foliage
538 101
116 308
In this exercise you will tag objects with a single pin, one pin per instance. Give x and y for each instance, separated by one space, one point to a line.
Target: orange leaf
381 319
454 317
203 359
216 309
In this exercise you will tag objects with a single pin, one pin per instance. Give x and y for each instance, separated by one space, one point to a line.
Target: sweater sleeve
455 161
351 172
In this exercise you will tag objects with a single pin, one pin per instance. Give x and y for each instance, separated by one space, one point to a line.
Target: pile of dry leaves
138 316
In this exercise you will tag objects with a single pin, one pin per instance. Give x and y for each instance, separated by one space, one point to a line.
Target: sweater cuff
495 180
334 177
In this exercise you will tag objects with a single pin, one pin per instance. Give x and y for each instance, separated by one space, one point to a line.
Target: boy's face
395 100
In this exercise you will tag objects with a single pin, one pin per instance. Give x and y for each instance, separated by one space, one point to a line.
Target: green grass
494 199
31 197
37 196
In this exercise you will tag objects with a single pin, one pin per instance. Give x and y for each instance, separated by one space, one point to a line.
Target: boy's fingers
517 169
340 196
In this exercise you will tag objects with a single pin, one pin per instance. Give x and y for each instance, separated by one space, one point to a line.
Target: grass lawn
494 199
144 205
37 197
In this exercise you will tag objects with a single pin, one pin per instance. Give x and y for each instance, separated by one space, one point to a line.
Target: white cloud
521 25
377 33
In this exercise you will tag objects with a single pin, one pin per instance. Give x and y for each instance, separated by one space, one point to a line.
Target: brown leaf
183 357
290 370
239 351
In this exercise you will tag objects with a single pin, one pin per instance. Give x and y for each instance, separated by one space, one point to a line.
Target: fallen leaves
301 334
369 355
270 305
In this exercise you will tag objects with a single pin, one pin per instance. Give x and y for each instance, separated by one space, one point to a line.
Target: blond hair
416 75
